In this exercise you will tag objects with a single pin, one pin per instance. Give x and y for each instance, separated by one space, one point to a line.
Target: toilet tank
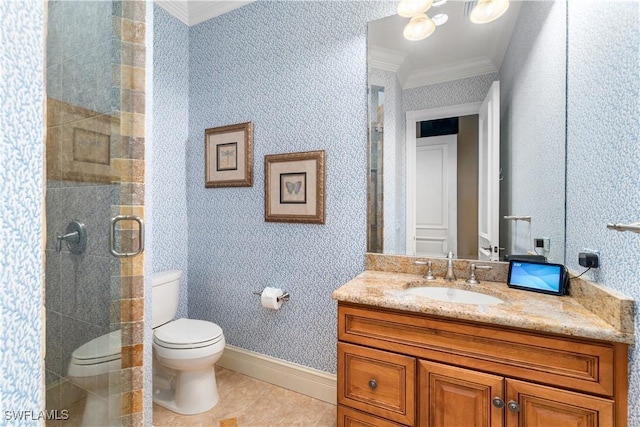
165 296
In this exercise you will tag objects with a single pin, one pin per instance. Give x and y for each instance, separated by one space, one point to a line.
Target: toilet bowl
89 369
185 351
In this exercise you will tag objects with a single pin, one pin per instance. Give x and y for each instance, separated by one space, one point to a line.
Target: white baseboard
311 382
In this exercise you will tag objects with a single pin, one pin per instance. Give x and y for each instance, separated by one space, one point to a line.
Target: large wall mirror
468 134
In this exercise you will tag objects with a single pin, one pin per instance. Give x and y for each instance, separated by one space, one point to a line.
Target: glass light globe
412 8
488 10
440 19
419 28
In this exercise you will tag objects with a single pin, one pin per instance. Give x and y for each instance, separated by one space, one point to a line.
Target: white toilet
185 351
89 368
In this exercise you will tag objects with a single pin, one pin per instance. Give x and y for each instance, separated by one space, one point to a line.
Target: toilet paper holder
283 297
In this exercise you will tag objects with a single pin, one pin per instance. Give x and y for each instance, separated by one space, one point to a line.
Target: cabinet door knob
373 384
498 402
513 406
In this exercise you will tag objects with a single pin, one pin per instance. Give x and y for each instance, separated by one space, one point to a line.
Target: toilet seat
187 334
105 348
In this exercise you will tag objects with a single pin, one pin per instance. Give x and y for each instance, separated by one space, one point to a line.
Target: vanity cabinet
378 382
403 368
450 396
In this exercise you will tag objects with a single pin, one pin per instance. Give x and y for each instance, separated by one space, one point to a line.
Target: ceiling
458 49
193 12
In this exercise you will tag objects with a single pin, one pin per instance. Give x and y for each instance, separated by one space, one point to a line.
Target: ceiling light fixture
440 19
437 3
488 10
420 27
412 8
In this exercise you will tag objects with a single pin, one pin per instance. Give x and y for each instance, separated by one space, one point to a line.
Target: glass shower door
375 227
95 173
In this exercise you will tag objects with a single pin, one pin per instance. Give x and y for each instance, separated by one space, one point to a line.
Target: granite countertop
520 309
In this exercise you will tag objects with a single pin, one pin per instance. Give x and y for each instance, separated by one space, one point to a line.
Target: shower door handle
112 236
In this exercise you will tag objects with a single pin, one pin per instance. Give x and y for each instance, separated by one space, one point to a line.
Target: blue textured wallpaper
167 194
533 96
603 171
21 206
297 70
456 92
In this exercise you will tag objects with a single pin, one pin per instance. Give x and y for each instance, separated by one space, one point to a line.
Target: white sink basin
459 296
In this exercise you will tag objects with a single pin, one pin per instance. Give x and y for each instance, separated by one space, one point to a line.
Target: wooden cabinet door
541 406
452 397
348 417
377 382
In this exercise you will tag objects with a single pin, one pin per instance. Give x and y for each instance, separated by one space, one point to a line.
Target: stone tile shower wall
132 62
96 93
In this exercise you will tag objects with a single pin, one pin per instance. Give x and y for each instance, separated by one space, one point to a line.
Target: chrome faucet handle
70 237
472 278
76 238
429 274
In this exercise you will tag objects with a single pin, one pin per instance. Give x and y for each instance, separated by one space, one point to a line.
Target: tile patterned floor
247 402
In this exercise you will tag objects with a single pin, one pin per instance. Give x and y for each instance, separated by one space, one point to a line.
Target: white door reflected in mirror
435 232
489 176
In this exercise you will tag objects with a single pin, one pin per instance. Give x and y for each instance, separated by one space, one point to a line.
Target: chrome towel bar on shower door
112 236
634 227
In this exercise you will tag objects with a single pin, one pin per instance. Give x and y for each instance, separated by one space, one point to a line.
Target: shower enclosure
375 200
95 84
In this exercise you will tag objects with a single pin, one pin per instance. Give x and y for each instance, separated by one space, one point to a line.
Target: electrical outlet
589 258
591 251
543 243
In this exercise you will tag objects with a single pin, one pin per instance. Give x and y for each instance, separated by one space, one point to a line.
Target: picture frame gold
228 153
294 187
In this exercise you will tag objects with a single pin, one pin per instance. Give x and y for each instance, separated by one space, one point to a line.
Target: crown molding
176 8
200 11
193 12
457 71
500 48
385 59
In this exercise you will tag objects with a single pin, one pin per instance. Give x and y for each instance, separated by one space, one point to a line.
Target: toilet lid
187 333
103 349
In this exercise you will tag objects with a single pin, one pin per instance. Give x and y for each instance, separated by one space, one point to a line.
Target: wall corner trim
301 379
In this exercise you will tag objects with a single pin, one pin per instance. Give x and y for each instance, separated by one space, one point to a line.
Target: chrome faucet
450 274
473 279
429 274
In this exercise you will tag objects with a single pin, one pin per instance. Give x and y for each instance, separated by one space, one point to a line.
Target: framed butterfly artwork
229 156
294 187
